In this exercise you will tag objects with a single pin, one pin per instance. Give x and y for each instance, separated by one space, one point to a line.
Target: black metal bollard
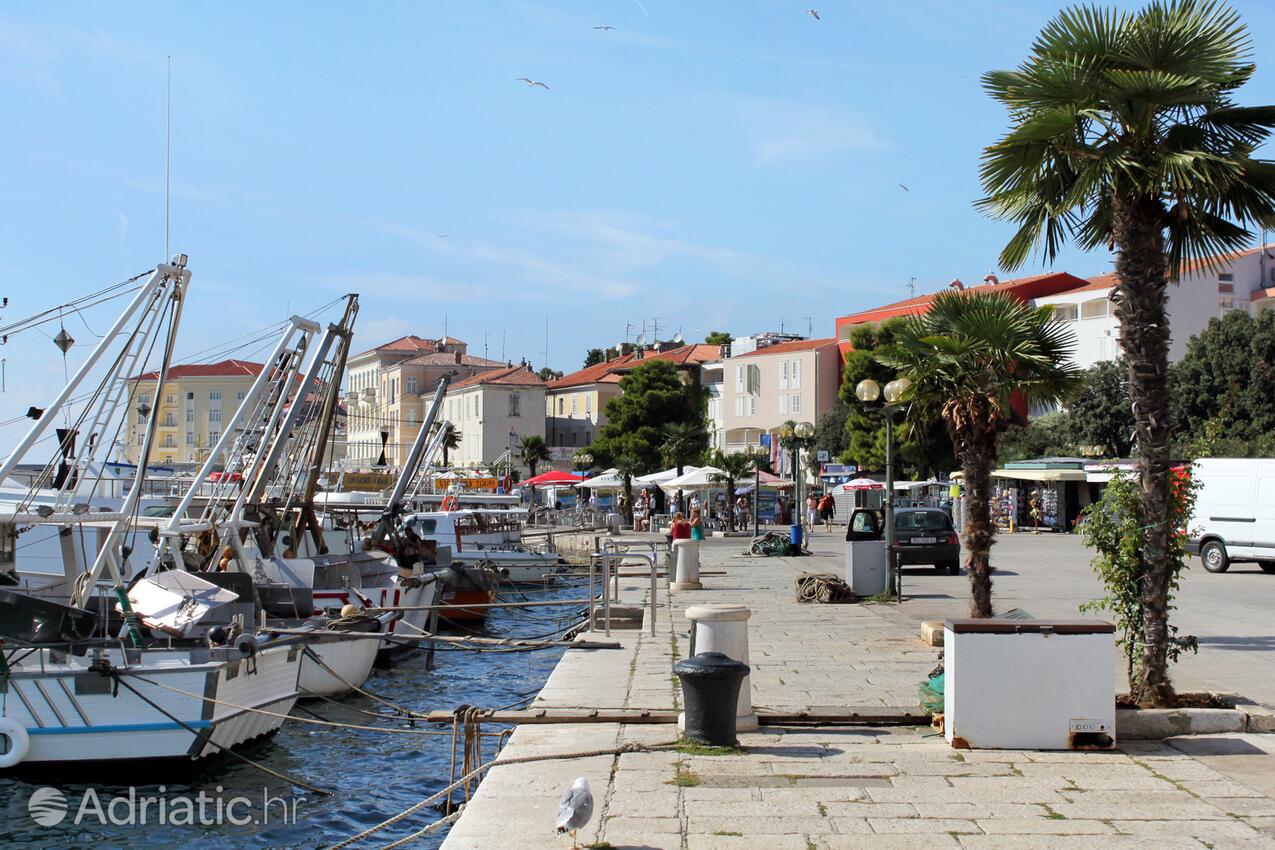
710 689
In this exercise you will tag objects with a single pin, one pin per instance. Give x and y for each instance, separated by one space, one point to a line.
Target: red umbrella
553 477
861 484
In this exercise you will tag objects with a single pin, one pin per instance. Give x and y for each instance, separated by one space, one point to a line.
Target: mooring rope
421 833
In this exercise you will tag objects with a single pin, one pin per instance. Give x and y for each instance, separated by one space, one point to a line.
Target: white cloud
782 130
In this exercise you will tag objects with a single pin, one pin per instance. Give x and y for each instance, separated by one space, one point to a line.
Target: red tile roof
791 347
519 376
445 358
223 369
611 372
411 342
1025 288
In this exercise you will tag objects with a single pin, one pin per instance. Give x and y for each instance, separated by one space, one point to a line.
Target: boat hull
349 657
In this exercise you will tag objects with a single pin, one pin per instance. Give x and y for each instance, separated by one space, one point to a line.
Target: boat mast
413 461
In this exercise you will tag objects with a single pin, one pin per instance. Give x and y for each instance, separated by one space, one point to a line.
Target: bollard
710 691
724 628
686 560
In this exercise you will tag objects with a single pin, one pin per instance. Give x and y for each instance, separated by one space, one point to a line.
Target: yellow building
197 400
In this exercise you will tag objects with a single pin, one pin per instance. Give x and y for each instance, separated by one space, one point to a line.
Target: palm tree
450 443
733 467
965 358
533 450
683 443
1125 134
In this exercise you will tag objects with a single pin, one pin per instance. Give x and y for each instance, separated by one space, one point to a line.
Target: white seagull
814 13
604 28
532 82
574 809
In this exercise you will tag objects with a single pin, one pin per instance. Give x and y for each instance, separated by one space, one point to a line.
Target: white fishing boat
490 537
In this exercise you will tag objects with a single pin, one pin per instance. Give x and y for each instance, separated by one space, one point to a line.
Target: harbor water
371 774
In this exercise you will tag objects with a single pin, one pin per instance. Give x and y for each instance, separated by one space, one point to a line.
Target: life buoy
19 742
450 503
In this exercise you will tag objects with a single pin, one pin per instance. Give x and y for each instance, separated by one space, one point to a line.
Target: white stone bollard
724 629
686 565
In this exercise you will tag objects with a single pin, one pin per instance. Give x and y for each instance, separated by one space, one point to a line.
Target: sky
727 165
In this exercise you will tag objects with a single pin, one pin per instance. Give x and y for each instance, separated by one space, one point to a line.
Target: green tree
652 396
734 467
533 450
717 338
1228 377
594 356
1100 414
683 443
547 374
1125 134
830 430
1051 435
965 358
922 447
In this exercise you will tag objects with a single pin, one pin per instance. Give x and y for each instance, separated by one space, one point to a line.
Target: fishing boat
489 537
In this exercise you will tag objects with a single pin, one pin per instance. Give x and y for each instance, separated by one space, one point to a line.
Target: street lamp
796 435
868 391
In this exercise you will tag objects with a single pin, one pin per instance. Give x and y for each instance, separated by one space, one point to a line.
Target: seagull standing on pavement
574 809
814 13
532 82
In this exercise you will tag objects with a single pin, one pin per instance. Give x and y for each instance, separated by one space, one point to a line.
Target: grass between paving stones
823 810
1051 814
684 777
728 832
694 748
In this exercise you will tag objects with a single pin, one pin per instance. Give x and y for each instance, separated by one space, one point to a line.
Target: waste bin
867 566
710 692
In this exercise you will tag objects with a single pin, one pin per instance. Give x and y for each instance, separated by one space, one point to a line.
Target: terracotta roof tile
444 358
790 347
1034 286
520 376
411 342
223 369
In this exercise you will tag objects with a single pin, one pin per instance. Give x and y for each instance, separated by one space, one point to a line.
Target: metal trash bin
710 692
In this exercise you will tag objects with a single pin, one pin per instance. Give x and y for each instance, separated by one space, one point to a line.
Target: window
190 396
213 437
561 405
411 416
411 386
190 414
588 404
241 395
1226 288
1094 309
1065 312
214 395
515 404
754 380
783 375
170 398
169 442
796 374
190 439
752 405
796 402
783 403
1226 276
575 405
169 421
214 415
739 379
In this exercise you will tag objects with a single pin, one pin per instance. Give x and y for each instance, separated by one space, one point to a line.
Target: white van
1234 518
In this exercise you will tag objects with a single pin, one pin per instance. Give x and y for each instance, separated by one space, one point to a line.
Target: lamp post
797 435
869 391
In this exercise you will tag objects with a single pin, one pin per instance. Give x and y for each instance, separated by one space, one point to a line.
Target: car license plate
925 540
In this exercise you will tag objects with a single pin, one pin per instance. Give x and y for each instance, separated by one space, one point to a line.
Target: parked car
922 535
1234 516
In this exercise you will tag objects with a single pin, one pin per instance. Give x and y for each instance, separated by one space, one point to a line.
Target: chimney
957 285
458 358
991 279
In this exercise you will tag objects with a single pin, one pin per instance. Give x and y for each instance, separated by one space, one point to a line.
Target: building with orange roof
766 387
575 404
493 411
198 398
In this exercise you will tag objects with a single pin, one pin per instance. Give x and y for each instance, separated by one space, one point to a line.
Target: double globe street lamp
797 436
869 393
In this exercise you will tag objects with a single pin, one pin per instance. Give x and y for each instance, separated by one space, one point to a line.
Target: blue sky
716 165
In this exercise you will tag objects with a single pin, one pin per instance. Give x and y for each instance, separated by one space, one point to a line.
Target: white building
493 411
1242 282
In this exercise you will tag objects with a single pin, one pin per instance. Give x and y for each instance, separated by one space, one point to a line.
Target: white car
1234 517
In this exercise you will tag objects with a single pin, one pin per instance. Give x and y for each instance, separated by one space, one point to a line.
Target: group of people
683 529
820 508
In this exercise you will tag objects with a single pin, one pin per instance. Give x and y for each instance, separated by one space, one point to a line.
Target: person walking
812 512
827 510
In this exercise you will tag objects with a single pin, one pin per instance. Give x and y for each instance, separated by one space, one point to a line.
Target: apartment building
197 400
764 388
493 411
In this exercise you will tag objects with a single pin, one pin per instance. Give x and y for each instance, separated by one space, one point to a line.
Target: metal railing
609 556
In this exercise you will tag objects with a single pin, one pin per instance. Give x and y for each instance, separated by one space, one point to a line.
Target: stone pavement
834 788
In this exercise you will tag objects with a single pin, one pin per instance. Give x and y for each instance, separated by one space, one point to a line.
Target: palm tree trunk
628 499
1141 306
977 458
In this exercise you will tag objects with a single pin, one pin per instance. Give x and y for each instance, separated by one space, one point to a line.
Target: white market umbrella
659 478
702 478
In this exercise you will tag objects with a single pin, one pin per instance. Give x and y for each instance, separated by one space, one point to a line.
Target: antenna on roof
911 284
678 339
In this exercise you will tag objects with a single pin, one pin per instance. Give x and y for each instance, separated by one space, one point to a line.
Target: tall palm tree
1124 133
965 358
450 443
734 466
533 450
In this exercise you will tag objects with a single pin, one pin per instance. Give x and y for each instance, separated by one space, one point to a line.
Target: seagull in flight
904 188
531 82
814 13
442 236
604 28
